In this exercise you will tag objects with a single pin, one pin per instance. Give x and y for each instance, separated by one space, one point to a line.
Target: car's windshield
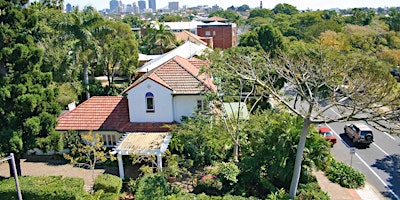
327 134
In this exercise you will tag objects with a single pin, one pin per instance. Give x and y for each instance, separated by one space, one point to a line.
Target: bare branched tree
318 83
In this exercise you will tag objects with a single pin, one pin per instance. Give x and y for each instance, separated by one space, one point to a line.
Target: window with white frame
200 105
109 139
208 33
149 102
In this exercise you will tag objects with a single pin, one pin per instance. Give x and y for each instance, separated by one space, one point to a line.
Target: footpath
336 192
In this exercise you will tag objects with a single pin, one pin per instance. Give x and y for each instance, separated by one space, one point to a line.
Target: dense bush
201 141
345 175
311 191
108 183
152 187
209 184
202 196
109 196
45 188
279 195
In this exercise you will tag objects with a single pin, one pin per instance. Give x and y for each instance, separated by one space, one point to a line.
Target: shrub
209 184
345 175
202 196
228 172
152 186
311 191
279 195
44 188
109 196
109 183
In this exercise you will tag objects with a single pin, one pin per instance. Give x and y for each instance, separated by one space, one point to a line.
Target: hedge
202 196
345 175
108 183
44 188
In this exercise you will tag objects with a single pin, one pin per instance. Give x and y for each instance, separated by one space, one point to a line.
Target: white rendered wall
185 105
162 103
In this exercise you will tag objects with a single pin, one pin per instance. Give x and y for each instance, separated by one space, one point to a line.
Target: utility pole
14 169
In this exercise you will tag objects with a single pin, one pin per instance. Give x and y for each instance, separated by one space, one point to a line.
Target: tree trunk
86 79
236 151
299 158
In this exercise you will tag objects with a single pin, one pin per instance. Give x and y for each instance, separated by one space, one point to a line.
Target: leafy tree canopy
28 107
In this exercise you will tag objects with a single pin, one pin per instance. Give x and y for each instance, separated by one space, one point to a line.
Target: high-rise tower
114 4
152 5
261 4
142 5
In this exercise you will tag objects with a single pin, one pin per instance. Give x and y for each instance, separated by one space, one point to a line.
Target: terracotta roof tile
105 113
180 75
96 113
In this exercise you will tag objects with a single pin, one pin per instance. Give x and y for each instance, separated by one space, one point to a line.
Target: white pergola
143 144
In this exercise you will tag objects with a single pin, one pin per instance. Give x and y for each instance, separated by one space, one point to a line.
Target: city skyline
301 5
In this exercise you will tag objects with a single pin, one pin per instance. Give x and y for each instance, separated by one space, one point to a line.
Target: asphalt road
380 162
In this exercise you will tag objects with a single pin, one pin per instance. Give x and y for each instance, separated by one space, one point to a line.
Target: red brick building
224 35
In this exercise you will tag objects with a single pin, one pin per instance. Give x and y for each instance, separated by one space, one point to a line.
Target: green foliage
270 39
133 185
109 196
279 195
285 9
132 21
228 171
68 94
157 40
345 175
28 107
71 139
268 155
108 183
201 140
44 188
209 184
230 15
152 187
263 13
202 196
89 151
311 191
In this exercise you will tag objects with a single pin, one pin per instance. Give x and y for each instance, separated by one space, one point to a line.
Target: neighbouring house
224 35
186 50
188 36
163 95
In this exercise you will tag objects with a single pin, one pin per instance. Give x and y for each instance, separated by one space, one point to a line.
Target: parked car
359 133
326 133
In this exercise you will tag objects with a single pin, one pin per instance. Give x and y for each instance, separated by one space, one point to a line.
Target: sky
299 4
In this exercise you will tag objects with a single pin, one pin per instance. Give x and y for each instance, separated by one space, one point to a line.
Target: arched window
149 102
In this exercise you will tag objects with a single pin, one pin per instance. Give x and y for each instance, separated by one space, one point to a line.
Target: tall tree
353 85
285 9
82 27
158 39
28 109
394 19
120 53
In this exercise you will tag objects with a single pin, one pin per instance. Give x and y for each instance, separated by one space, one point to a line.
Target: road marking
373 172
379 178
389 135
380 149
335 112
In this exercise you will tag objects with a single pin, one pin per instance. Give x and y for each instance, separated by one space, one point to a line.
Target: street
380 162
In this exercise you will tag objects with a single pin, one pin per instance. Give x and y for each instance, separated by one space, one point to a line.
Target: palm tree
159 37
82 28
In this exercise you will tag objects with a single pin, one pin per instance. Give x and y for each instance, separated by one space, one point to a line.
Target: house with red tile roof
161 96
